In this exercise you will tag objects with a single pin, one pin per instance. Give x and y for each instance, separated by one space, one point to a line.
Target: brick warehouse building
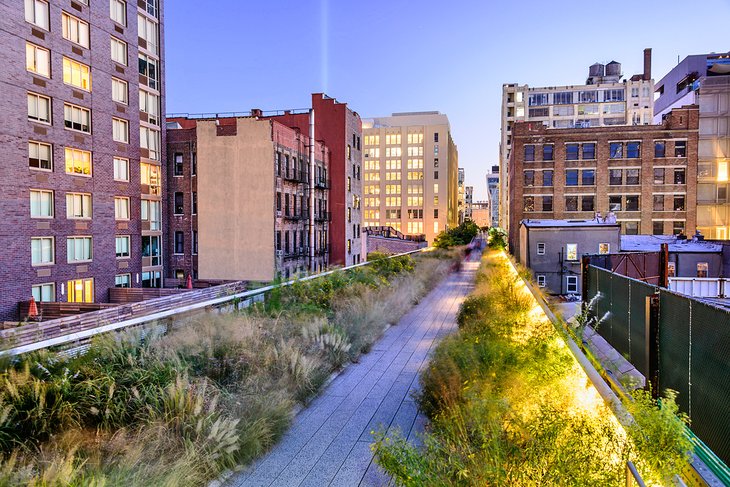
340 129
645 174
81 121
238 199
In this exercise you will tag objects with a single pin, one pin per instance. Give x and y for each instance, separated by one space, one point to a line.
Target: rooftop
570 223
652 243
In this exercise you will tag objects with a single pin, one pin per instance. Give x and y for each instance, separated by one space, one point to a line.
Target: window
149 139
36 12
150 213
571 177
123 280
78 206
680 148
77 118
589 150
195 203
588 177
152 279
194 164
118 11
121 169
120 92
633 150
613 95
679 204
657 228
119 51
571 203
631 228
39 156
563 98
78 249
547 152
615 177
152 7
75 30
122 246
179 206
679 176
541 248
547 178
148 69
632 176
179 242
571 283
120 130
659 148
547 203
78 162
121 208
658 202
41 203
702 269
571 251
80 291
435 137
529 153
151 249
538 112
529 178
540 280
76 74
37 60
42 251
536 99
616 150
604 248
195 241
671 269
614 203
678 227
150 176
44 292
571 152
178 164
632 203
587 203
39 108
658 175
149 31
529 203
150 105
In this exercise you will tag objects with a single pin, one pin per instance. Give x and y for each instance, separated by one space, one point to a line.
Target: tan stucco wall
236 190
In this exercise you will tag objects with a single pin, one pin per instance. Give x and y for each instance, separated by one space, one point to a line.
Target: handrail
88 333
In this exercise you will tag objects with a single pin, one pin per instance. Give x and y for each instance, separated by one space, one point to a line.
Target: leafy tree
461 235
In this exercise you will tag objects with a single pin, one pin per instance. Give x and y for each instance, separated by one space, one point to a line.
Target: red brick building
81 122
645 174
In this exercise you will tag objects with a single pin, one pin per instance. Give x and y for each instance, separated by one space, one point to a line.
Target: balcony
322 183
292 216
294 176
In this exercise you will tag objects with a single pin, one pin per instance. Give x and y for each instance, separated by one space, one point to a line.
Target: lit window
75 30
76 74
78 162
118 11
122 246
78 205
121 208
77 118
722 171
121 169
44 292
604 248
120 130
39 108
120 92
36 12
37 60
41 251
119 51
80 291
39 156
571 251
41 203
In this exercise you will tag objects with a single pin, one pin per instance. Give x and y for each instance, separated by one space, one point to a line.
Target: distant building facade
81 122
493 196
410 173
645 175
704 80
238 198
462 196
468 202
604 100
480 213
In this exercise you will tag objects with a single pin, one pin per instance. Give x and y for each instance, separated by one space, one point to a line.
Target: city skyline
262 48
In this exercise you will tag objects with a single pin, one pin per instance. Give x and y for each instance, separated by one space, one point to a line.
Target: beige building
410 178
604 100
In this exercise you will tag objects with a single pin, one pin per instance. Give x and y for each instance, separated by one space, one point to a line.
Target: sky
386 56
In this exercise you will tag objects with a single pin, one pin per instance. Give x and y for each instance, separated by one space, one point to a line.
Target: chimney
256 112
647 64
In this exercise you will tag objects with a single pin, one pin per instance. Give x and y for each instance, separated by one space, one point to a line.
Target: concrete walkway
329 441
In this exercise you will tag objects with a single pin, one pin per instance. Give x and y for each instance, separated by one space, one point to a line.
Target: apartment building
704 80
340 129
604 100
468 202
410 173
83 97
493 196
238 193
462 195
645 174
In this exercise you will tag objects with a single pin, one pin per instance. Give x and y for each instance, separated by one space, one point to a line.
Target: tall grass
215 392
509 405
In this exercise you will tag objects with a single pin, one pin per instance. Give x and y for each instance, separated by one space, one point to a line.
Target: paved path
329 441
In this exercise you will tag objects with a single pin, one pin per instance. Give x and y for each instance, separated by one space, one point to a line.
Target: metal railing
248 113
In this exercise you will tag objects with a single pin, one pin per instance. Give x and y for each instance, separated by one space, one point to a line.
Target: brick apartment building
82 121
340 129
238 199
645 174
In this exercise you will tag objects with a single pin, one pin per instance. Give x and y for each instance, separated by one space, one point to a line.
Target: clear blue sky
384 56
